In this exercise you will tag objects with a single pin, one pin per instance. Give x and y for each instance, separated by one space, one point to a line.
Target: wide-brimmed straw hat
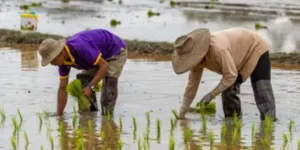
49 49
190 49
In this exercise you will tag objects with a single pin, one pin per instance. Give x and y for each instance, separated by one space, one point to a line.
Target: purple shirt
87 47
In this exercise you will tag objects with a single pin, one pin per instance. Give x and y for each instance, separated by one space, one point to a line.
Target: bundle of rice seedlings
208 109
75 89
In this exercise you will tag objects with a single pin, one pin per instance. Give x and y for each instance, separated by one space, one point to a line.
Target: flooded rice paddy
146 85
281 18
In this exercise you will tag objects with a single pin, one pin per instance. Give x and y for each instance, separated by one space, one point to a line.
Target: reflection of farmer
236 54
98 52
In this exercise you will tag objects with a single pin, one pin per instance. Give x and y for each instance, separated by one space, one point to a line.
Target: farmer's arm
229 72
62 92
192 86
102 68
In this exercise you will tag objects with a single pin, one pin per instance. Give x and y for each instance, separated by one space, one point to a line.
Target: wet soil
32 89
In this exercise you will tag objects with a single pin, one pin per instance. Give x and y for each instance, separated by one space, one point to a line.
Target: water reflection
29 60
106 138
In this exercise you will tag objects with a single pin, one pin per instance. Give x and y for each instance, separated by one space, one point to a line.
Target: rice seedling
253 132
15 124
158 130
206 109
188 134
3 117
200 144
26 138
237 122
175 113
151 13
266 140
74 120
48 126
298 144
211 141
147 114
139 144
61 128
134 124
102 135
79 139
114 22
46 113
42 147
74 89
145 144
121 124
13 142
291 124
90 124
41 121
235 135
204 123
171 143
223 132
268 125
285 140
120 144
20 116
51 142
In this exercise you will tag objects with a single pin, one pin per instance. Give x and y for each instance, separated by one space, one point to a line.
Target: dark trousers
262 89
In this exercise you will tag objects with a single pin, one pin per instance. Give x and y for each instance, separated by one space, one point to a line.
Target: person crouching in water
236 54
99 53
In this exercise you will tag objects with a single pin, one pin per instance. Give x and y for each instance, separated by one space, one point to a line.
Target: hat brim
185 62
54 53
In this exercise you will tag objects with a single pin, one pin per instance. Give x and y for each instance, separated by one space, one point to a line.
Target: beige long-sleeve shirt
232 52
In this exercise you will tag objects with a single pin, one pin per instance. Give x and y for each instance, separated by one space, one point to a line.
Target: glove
205 100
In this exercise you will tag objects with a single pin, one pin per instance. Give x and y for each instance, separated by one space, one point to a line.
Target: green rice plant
61 128
46 113
223 132
291 124
145 144
235 135
134 124
298 144
41 122
51 142
75 90
102 135
90 124
74 120
13 142
79 139
175 113
48 126
200 144
206 109
120 144
147 114
158 130
139 144
171 143
204 123
15 124
3 117
211 141
285 140
151 13
20 116
121 124
253 132
268 125
237 122
266 140
42 147
26 138
188 134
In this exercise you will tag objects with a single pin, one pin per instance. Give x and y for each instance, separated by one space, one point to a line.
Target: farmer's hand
87 91
205 100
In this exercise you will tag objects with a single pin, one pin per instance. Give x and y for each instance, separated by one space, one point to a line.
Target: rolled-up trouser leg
109 95
231 102
262 88
85 80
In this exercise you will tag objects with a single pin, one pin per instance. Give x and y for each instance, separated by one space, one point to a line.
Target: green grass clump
75 89
114 22
206 109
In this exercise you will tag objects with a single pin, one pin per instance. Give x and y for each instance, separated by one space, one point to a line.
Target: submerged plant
75 89
158 130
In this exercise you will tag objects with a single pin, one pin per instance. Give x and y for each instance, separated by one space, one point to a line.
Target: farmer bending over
235 54
99 53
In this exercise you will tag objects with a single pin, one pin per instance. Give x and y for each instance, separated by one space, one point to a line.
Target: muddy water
172 22
145 85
